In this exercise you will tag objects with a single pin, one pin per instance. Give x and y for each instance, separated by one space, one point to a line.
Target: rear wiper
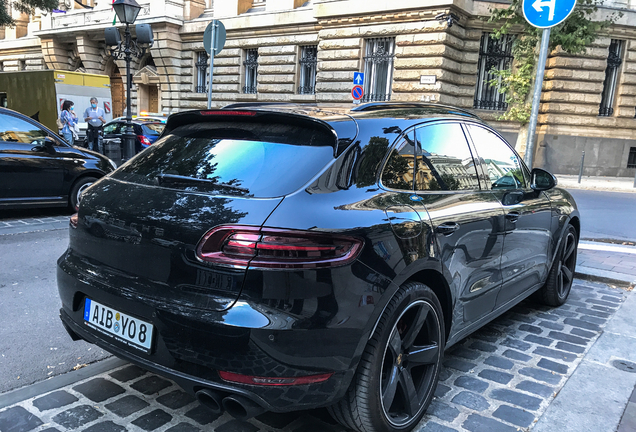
173 178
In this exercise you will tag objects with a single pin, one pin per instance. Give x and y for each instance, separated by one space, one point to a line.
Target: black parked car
39 169
147 131
282 257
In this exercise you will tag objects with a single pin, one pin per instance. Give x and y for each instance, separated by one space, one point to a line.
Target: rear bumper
272 398
192 349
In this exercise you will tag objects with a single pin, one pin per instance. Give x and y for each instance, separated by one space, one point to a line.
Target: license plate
125 328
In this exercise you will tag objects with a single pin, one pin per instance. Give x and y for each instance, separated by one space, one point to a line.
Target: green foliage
573 36
26 6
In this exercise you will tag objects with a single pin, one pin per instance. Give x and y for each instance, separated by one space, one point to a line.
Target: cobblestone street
501 379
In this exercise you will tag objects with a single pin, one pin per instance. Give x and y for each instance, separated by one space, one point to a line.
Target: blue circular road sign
547 13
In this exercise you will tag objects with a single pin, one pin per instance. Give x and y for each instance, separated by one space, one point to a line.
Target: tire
557 287
400 364
76 191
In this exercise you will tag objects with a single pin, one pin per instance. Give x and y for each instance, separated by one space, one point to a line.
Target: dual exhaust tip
237 406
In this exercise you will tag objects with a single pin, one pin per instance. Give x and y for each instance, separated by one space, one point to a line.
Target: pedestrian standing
69 120
94 116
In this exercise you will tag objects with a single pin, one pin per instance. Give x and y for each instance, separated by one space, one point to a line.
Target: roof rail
375 106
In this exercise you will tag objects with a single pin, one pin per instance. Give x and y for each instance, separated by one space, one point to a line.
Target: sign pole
538 85
212 54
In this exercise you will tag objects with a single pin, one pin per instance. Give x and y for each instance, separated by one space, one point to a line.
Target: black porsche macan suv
285 257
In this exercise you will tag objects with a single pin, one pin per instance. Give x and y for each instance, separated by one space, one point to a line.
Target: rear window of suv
236 159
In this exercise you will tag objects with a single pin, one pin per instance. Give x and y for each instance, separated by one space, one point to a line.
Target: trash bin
112 149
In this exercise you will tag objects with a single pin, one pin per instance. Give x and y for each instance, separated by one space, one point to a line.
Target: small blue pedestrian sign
547 13
358 78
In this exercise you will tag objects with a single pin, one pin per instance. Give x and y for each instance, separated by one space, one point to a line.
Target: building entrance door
117 93
153 99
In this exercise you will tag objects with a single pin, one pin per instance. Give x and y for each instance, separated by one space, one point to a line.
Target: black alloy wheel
400 368
409 359
557 288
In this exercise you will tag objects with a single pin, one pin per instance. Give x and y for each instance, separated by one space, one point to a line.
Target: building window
251 68
202 71
614 61
493 54
631 159
378 69
307 61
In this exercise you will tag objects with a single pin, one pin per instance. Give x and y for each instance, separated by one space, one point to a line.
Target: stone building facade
297 51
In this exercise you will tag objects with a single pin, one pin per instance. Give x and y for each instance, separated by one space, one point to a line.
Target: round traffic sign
218 28
357 92
547 13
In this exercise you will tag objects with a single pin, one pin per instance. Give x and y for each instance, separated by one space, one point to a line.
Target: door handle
513 216
448 228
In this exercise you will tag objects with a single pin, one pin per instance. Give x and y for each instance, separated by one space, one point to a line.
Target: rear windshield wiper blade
173 178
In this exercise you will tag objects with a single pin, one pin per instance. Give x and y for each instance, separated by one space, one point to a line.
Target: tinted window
17 130
502 164
230 159
398 170
112 128
444 161
152 129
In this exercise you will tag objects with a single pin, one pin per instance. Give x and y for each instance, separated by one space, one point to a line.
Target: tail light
271 248
228 112
145 141
273 381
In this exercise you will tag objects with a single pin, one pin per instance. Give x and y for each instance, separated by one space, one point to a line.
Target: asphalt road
606 215
33 343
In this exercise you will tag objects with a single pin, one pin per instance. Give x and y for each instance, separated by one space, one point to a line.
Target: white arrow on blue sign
358 78
547 13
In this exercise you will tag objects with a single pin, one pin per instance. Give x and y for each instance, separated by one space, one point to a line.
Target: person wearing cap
94 116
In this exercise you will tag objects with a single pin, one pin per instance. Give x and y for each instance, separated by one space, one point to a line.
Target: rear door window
236 159
152 129
397 173
444 160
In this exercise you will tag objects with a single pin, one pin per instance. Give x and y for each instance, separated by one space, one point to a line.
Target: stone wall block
228 53
353 65
342 54
275 88
276 69
328 76
278 50
334 44
334 97
276 79
327 87
220 88
276 60
226 61
233 70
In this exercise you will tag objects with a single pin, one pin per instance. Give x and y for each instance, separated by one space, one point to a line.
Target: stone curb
604 276
59 381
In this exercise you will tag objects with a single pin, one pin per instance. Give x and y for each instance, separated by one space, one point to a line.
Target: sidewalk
616 184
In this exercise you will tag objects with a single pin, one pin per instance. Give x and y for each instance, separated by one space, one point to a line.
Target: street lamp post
127 11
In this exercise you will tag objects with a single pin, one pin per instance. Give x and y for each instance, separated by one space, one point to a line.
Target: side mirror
47 144
542 180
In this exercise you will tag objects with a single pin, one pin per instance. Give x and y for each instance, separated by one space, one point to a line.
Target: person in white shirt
94 116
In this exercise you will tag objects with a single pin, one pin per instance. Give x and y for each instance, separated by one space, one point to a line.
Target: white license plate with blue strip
130 330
